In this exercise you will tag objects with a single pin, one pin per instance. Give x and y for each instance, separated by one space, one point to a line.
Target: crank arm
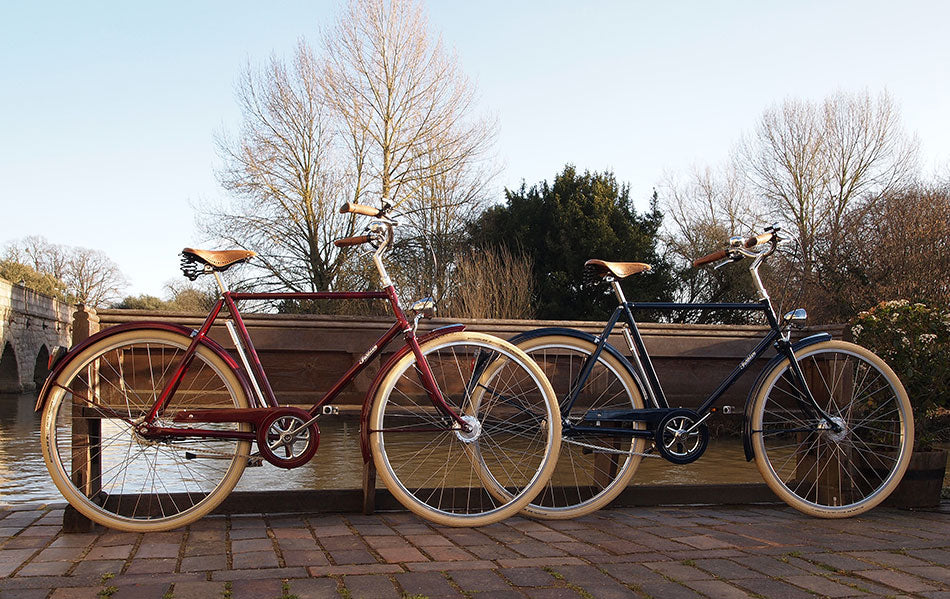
252 460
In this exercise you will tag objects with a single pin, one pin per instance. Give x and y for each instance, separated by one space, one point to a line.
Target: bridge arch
9 371
41 366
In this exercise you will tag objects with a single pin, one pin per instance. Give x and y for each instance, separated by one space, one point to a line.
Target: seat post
221 284
617 290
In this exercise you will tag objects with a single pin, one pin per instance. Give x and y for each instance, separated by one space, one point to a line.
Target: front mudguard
772 364
77 349
371 393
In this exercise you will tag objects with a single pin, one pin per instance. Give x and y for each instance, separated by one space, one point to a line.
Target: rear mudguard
773 363
610 349
371 393
74 351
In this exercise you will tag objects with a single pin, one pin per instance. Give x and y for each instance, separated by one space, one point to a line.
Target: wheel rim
832 470
590 467
141 481
464 475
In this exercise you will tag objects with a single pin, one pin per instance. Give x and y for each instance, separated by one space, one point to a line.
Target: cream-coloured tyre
592 469
120 479
448 475
809 465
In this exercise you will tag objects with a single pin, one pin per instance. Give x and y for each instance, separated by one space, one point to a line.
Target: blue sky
108 110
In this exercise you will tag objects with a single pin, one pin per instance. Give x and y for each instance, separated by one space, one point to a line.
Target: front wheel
105 468
825 470
458 477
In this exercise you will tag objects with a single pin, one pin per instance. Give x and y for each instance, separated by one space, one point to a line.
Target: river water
337 465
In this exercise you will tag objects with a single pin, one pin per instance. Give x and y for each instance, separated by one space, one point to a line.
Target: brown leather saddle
596 270
217 259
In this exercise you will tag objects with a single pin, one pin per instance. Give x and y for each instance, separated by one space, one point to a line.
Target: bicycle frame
645 371
265 397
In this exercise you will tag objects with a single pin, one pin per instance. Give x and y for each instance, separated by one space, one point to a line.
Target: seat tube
635 350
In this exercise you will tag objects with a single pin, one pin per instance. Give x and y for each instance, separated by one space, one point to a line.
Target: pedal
728 409
330 411
255 461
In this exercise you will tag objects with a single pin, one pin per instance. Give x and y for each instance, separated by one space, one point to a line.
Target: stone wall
31 325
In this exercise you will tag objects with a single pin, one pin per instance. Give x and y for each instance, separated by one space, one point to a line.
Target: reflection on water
337 465
23 475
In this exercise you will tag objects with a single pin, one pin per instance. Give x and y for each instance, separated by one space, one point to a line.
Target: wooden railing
305 354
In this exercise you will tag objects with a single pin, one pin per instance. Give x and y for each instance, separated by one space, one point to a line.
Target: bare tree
701 213
93 278
407 112
286 178
37 252
492 283
90 277
384 114
435 233
404 101
817 166
902 250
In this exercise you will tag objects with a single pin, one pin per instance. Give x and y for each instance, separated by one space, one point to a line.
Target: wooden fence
304 355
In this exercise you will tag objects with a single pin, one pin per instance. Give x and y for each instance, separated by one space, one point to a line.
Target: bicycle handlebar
736 251
713 257
349 241
350 207
758 240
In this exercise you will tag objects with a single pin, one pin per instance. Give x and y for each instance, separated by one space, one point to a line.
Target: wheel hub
830 433
474 430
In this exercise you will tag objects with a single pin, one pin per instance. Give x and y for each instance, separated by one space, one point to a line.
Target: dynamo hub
474 430
830 433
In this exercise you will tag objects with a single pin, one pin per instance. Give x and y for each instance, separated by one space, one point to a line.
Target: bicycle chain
642 454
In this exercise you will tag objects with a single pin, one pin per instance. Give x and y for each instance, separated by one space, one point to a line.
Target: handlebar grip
713 257
348 241
359 209
758 240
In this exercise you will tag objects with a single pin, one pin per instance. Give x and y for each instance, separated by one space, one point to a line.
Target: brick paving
662 552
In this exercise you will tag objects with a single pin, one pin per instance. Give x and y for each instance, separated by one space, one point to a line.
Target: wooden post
86 464
369 486
828 468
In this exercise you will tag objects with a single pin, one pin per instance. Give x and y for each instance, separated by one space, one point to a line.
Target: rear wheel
592 469
456 477
111 473
805 461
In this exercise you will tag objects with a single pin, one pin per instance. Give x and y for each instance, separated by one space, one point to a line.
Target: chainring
279 447
678 437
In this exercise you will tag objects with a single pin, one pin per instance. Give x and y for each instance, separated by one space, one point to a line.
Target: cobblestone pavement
667 552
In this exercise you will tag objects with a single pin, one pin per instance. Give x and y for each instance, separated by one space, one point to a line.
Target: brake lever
730 260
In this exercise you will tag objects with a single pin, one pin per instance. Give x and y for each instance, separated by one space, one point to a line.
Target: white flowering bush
914 339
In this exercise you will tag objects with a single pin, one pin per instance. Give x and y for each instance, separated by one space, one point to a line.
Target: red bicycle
148 426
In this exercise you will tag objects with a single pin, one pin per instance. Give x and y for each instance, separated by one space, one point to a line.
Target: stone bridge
31 326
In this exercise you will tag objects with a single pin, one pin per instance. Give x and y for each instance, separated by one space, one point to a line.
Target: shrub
914 339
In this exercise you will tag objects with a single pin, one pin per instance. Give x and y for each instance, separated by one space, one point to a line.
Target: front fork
805 397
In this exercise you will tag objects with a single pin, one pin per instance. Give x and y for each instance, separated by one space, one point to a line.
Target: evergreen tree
562 225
